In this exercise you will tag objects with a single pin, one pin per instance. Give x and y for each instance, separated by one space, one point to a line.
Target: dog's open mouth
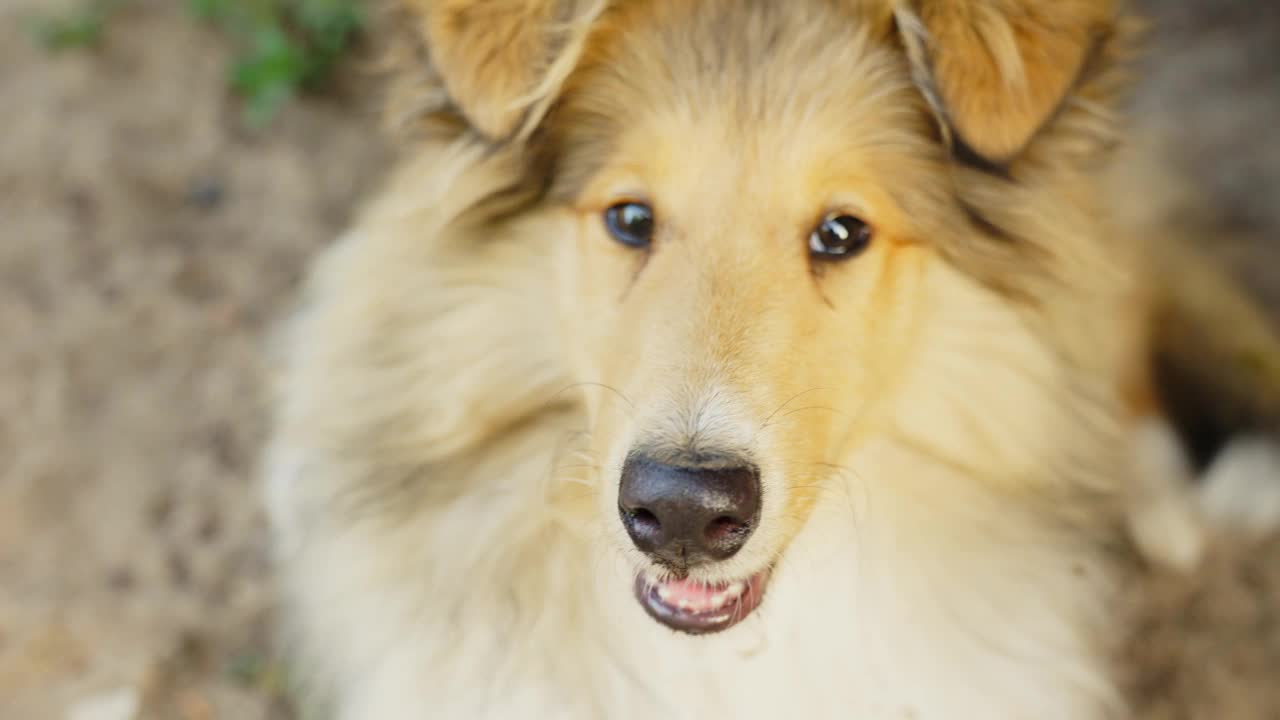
699 608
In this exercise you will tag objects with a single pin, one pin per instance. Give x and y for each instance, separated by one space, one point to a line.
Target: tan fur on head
935 418
502 61
996 71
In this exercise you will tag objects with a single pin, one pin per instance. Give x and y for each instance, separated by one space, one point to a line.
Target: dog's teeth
664 593
697 598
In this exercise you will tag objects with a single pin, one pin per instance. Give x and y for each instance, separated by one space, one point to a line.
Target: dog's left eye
839 237
630 223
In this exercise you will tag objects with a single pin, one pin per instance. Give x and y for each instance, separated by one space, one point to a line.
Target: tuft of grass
79 27
283 47
256 671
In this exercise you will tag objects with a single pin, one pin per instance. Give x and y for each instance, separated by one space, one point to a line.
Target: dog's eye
839 237
630 223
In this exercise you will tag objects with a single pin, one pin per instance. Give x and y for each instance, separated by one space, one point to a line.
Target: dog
728 358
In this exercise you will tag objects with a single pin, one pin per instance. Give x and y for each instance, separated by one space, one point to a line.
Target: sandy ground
146 243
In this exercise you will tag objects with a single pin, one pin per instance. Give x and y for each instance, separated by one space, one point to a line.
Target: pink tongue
693 593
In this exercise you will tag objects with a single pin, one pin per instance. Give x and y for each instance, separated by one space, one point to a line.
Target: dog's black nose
682 516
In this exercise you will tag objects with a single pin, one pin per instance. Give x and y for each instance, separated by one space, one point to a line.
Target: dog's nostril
644 519
643 526
725 536
724 527
642 515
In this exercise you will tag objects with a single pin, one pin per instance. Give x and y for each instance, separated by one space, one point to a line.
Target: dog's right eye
630 223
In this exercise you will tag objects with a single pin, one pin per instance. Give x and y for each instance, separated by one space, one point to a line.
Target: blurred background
167 167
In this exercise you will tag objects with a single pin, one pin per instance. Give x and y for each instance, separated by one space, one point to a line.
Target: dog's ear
502 61
996 71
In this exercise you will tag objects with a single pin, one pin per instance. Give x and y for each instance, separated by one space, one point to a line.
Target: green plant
77 28
283 47
255 670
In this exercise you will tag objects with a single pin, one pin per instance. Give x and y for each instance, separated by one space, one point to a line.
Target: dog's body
941 427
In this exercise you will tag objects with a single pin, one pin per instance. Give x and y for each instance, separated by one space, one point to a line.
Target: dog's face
765 234
743 278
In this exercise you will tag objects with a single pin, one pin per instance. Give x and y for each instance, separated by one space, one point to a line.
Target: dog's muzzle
685 518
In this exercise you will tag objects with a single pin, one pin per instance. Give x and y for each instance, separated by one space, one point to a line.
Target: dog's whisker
603 386
765 422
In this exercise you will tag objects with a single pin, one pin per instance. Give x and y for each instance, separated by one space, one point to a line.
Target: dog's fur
944 424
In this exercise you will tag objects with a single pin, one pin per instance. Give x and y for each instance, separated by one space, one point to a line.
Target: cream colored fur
915 589
939 423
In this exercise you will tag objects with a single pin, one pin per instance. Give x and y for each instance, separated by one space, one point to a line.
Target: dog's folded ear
502 61
996 71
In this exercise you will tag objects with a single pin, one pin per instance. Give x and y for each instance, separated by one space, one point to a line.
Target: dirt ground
147 241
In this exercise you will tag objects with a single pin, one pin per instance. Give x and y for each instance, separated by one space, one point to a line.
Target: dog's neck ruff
881 608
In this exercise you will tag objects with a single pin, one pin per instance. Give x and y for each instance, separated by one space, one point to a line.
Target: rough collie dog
730 358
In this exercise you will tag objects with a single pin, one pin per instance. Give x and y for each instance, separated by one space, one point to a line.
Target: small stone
122 704
122 580
206 193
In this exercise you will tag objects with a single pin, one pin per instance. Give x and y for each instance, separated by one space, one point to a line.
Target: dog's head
797 228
